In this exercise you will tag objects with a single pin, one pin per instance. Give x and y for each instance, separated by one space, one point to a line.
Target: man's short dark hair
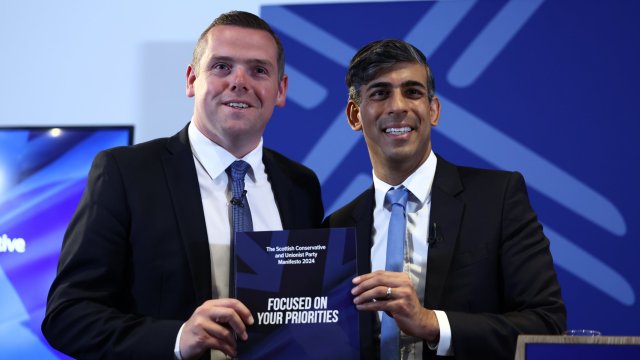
375 58
242 19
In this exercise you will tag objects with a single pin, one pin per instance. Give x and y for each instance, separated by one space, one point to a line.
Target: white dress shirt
416 246
211 162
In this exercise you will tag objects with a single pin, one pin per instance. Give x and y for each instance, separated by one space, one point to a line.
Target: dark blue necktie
240 212
389 333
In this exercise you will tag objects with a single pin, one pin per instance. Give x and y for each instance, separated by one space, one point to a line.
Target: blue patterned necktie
389 333
240 212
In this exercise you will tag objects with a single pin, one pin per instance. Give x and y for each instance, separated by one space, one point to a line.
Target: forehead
241 43
399 74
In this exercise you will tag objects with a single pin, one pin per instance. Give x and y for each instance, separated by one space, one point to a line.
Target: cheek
271 95
212 85
371 132
368 121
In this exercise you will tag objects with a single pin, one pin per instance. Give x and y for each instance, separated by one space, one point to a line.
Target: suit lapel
182 181
363 218
446 212
362 215
281 186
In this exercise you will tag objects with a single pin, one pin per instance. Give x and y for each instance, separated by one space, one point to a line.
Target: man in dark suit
145 264
475 266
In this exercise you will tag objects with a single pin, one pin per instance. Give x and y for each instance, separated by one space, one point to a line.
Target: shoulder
471 178
474 185
275 161
350 213
147 157
133 155
139 149
491 176
176 145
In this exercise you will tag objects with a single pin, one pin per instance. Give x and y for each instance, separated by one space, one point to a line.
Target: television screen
43 172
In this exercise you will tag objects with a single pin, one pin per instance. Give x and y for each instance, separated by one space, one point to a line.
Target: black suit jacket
489 267
135 260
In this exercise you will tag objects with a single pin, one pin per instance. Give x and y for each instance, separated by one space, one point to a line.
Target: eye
379 94
261 71
220 67
414 93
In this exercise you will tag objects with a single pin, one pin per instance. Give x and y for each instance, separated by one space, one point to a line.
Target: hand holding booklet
297 284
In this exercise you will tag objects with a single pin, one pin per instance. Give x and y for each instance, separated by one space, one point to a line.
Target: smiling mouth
398 131
238 105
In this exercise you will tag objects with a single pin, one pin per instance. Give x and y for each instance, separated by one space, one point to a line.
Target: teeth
238 105
398 131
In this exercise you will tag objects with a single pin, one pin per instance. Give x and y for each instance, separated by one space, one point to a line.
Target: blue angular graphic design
336 259
268 273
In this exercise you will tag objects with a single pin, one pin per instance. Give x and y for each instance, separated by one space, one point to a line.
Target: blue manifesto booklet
297 284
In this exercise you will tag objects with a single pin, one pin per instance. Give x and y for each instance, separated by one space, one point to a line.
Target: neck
390 176
240 150
239 146
395 172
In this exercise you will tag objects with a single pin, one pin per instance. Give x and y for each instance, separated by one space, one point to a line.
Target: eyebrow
260 62
406 84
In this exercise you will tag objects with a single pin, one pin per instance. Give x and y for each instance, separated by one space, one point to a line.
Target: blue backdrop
543 87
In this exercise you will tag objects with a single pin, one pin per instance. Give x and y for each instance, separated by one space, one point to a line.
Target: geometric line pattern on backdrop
436 25
335 138
490 41
303 90
505 152
339 142
499 149
467 130
309 34
590 269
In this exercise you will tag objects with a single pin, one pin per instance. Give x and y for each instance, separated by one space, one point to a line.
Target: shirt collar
215 159
419 182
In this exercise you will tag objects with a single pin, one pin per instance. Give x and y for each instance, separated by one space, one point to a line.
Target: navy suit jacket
489 266
135 260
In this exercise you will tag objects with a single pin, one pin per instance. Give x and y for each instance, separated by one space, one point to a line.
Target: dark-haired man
473 268
145 264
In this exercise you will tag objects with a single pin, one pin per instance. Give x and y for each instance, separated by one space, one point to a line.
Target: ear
191 78
434 111
353 116
282 91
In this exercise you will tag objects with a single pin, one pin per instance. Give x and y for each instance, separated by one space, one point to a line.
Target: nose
397 103
239 79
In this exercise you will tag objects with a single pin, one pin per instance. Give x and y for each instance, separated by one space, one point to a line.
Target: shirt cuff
176 349
443 346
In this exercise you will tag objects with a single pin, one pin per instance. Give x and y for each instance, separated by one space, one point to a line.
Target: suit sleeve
89 308
530 298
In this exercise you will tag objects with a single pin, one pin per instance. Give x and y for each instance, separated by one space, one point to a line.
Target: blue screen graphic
546 88
43 172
